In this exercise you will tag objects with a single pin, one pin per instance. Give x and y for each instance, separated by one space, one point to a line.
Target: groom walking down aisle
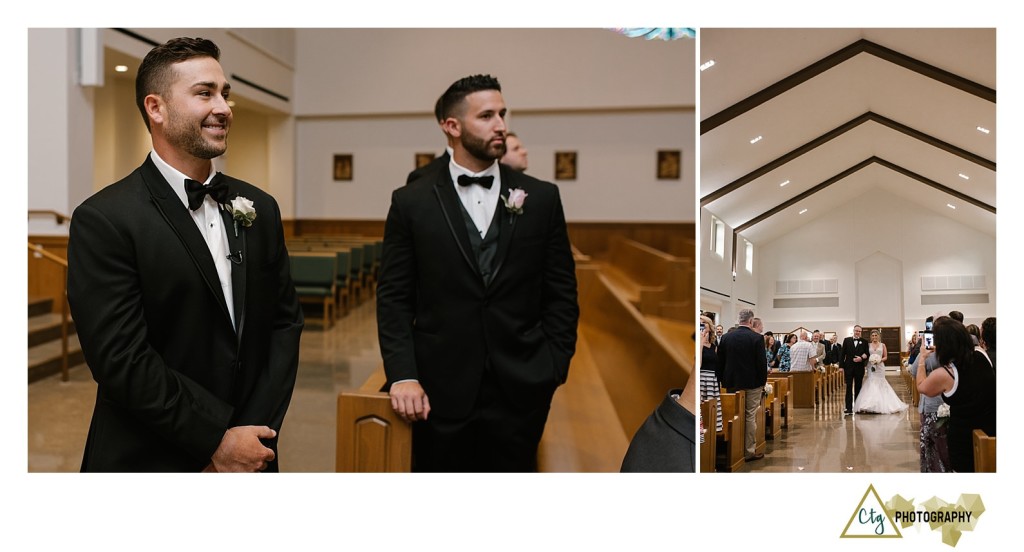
855 352
178 281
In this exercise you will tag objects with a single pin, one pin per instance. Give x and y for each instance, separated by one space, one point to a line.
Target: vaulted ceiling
842 113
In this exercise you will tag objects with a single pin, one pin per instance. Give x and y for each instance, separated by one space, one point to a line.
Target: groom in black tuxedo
476 304
179 283
855 353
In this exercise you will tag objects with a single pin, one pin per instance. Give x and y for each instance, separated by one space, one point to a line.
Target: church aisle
823 440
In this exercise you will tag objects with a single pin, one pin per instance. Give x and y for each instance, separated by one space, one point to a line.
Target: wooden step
39 305
46 327
45 359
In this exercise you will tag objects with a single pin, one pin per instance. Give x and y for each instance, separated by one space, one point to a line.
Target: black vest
485 248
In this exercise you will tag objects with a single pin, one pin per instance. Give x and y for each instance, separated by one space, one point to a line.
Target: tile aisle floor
330 362
823 440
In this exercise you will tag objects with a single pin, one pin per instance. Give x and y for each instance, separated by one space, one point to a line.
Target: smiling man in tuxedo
476 304
178 280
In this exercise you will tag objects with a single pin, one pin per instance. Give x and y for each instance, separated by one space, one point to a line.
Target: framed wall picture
424 159
565 165
343 166
670 164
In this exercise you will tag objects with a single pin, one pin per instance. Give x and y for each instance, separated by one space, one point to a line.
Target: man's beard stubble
188 137
481 149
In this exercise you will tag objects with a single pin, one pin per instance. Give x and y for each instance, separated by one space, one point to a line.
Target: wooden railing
63 306
61 218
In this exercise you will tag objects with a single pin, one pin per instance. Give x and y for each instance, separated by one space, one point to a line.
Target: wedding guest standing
741 354
932 443
710 370
966 380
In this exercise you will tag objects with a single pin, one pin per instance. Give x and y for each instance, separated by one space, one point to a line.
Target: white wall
375 71
829 247
60 114
616 162
613 100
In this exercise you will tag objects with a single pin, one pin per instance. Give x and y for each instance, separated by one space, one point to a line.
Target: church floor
330 362
824 440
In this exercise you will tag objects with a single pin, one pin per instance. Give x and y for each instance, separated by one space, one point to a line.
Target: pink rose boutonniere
514 202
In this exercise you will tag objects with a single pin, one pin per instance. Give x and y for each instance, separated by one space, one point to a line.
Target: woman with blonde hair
877 396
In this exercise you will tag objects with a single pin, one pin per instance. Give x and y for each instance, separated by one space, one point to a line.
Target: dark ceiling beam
798 198
836 132
959 195
863 164
834 59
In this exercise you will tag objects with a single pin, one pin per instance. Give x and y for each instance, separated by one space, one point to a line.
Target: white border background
476 512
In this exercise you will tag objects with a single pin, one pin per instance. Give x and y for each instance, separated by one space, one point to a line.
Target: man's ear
154 105
452 127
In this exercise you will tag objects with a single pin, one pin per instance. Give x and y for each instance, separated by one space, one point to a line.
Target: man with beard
476 303
179 284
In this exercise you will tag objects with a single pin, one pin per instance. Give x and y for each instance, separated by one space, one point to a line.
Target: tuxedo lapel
238 255
451 209
178 218
508 222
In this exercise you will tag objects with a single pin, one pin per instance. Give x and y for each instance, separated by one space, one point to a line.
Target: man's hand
240 450
410 401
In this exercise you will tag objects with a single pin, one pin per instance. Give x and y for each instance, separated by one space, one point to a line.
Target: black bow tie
485 181
217 189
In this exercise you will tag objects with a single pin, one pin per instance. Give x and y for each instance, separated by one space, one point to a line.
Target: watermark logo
874 519
871 520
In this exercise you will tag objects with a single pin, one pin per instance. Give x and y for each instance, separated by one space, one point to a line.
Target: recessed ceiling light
964 176
121 68
784 183
707 64
951 206
804 211
983 129
756 140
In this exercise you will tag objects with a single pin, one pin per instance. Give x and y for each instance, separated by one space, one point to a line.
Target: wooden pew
781 384
772 415
583 433
370 436
634 269
637 365
675 299
984 452
707 448
729 445
804 388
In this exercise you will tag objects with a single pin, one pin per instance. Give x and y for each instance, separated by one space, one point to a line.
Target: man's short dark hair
449 103
439 109
988 332
154 76
957 315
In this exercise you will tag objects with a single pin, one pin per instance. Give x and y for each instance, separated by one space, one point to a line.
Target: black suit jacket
437 321
849 351
173 372
429 168
741 353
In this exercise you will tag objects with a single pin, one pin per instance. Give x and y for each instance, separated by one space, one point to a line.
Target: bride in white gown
877 396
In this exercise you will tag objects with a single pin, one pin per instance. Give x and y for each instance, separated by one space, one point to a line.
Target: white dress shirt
480 202
211 225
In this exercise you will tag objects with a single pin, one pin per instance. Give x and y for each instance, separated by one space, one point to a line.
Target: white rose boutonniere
514 202
242 211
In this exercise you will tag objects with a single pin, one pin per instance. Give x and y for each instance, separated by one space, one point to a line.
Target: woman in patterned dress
710 373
